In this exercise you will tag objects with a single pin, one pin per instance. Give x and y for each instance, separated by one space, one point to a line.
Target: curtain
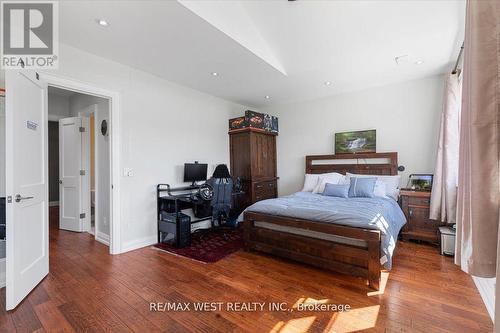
444 189
478 175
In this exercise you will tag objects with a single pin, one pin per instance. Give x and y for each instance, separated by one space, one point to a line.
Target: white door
71 213
26 184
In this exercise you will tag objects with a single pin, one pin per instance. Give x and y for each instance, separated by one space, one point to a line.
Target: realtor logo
29 34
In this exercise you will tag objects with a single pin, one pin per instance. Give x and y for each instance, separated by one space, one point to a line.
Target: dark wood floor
89 290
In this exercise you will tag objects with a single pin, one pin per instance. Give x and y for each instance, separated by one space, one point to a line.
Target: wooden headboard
362 163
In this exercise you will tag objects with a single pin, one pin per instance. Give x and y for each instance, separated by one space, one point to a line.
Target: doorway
79 163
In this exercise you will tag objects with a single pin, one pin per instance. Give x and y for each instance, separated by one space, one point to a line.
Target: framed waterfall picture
356 142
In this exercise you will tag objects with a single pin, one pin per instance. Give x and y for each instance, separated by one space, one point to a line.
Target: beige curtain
444 189
478 179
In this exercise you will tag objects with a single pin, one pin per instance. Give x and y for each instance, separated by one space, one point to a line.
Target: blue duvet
377 213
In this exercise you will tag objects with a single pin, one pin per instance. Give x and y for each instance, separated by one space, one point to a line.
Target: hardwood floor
89 290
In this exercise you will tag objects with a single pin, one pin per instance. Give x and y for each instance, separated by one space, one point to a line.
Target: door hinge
82 172
82 129
9 199
82 215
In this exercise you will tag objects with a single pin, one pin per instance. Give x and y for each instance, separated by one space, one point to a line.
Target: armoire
253 159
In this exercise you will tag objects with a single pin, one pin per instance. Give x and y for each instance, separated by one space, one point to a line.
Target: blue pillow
362 187
336 190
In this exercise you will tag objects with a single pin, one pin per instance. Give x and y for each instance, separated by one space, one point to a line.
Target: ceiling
281 49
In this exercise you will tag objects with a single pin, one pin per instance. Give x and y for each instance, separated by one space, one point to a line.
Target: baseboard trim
53 203
486 289
102 238
139 243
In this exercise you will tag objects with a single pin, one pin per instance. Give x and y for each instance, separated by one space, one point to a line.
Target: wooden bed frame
359 261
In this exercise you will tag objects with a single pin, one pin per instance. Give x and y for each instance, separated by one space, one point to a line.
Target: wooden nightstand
415 206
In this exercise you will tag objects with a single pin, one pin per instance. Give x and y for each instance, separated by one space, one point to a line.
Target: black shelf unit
173 200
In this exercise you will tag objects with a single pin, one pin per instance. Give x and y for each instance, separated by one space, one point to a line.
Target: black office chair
219 191
222 187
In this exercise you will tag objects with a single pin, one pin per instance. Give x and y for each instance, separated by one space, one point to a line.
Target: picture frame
356 142
420 182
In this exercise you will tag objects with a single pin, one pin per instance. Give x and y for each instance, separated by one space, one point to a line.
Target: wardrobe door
263 156
240 155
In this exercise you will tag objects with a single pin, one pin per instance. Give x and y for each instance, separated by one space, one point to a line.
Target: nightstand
415 206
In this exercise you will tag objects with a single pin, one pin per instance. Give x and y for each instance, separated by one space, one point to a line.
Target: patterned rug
209 247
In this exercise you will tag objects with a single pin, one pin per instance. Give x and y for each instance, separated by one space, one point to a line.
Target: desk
174 200
169 201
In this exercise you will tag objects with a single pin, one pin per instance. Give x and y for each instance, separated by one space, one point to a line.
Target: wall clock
104 127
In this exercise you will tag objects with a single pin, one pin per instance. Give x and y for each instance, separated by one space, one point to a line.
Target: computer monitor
194 172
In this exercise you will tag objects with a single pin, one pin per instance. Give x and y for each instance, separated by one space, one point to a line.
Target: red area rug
210 247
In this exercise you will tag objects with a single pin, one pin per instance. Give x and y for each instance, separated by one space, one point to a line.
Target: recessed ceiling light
419 62
215 74
102 22
267 97
327 83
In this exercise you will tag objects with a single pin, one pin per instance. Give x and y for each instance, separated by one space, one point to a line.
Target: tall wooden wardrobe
253 159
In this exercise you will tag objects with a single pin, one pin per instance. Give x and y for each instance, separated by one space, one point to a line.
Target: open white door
71 214
26 184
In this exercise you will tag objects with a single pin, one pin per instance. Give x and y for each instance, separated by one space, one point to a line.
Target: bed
354 236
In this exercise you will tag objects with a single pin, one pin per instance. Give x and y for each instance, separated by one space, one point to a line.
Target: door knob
19 198
60 181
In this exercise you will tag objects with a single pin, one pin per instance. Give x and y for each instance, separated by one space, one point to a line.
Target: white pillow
310 182
391 183
330 178
379 190
312 179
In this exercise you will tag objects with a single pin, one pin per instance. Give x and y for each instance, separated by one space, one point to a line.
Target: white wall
163 125
78 103
406 117
486 287
58 106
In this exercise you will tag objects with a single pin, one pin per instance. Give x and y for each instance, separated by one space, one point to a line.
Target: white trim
139 243
3 142
486 288
2 273
55 117
114 123
87 187
53 203
97 194
102 237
